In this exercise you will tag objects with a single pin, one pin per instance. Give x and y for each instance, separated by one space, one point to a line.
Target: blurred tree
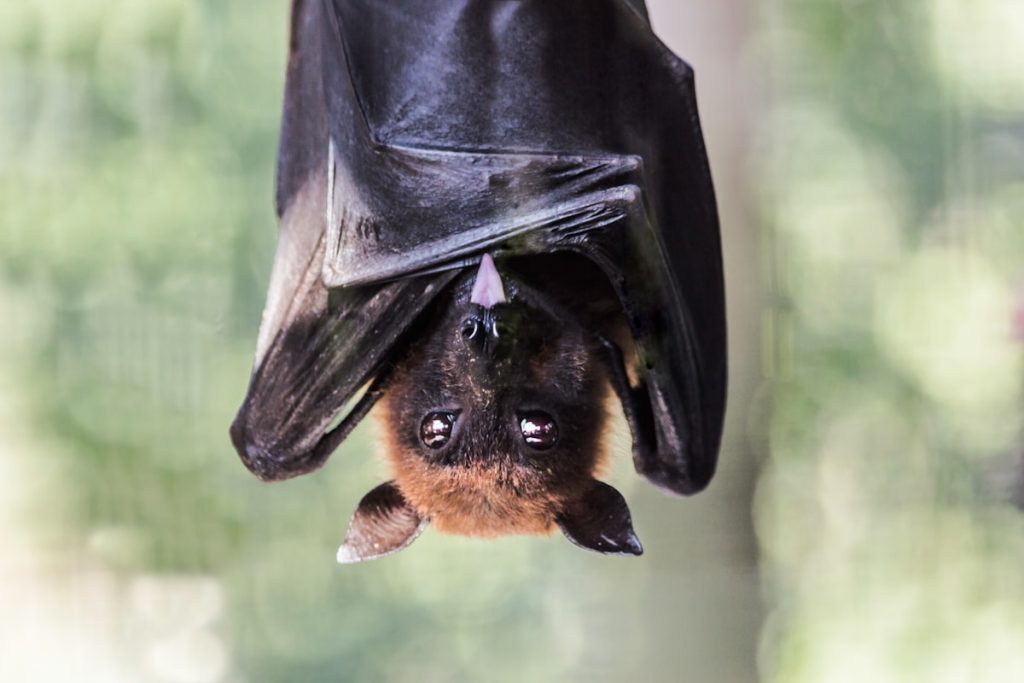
892 191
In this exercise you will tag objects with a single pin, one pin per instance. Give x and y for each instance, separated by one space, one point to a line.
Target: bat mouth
488 289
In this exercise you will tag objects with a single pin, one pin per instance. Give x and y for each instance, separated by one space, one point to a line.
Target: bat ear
384 523
599 520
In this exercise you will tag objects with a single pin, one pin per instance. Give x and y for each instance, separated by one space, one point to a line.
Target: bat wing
316 348
428 133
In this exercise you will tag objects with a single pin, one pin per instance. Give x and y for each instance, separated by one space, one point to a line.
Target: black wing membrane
316 348
428 133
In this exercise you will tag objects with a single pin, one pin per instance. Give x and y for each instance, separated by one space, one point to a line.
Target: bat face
494 419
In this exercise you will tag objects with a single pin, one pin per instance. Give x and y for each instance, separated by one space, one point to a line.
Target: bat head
493 424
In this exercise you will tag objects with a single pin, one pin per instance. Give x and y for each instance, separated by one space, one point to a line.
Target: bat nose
482 334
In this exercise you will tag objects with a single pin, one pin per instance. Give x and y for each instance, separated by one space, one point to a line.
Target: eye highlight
539 430
436 429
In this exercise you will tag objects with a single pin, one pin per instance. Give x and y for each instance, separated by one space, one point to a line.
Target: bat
494 215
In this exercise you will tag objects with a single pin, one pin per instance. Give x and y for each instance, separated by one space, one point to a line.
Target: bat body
494 214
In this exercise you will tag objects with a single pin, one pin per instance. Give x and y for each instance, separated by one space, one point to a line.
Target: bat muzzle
488 333
486 330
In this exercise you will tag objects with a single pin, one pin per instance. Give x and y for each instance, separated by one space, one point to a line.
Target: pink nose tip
487 290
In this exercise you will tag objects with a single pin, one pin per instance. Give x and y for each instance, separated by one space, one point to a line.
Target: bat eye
539 430
436 429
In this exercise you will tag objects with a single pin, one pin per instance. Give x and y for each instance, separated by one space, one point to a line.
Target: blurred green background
865 524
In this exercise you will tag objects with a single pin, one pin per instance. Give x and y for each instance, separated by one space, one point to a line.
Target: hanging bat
494 214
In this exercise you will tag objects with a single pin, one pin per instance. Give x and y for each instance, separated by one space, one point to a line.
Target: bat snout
491 334
480 334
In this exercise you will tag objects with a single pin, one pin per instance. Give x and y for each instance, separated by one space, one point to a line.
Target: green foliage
895 210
